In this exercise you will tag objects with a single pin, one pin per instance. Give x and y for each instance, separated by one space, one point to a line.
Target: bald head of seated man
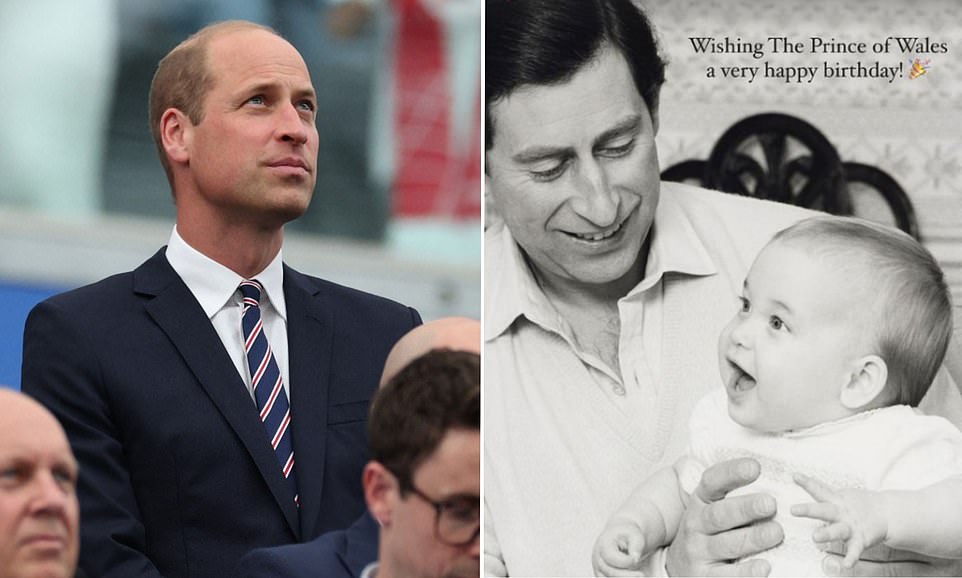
455 333
39 513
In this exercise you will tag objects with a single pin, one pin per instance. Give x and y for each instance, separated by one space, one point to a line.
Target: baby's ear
865 383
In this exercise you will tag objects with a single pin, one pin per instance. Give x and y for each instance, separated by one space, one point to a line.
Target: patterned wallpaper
910 127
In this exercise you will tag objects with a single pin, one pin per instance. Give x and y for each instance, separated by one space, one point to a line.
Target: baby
842 327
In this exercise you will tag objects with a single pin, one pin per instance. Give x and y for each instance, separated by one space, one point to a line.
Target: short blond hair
905 290
183 79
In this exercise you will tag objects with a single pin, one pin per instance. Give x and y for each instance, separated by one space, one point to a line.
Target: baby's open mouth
740 379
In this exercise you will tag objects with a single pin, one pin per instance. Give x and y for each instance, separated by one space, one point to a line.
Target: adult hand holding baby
716 529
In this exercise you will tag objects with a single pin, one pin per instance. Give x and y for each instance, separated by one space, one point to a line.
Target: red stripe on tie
278 385
254 333
261 369
280 431
289 466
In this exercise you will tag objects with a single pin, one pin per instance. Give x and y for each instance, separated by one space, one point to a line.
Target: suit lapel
177 312
310 333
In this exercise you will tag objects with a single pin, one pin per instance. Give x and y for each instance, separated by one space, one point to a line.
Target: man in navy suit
422 485
152 372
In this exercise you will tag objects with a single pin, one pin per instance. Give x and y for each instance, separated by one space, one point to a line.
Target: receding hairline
218 30
205 37
187 64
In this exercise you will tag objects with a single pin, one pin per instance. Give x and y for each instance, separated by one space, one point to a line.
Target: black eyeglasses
457 522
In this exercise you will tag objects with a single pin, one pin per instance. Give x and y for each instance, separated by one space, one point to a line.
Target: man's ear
379 488
865 383
176 134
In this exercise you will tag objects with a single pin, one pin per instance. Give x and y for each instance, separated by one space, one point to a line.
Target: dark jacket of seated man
337 554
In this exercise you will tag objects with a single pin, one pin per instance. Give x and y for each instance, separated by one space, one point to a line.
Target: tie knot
251 290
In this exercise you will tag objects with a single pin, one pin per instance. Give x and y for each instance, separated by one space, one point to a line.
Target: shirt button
619 389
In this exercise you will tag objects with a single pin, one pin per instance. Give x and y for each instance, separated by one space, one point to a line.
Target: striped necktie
267 382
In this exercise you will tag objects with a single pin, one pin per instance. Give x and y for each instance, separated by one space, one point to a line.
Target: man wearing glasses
422 485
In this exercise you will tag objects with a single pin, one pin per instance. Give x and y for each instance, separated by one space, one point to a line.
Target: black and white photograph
723 256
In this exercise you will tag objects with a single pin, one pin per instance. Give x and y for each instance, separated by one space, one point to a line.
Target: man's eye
307 105
618 151
10 476
65 477
256 100
462 512
776 323
550 174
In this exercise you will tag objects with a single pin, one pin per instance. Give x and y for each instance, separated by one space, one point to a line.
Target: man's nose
50 494
595 199
292 126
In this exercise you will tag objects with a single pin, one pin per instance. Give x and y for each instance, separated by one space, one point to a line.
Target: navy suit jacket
338 554
177 475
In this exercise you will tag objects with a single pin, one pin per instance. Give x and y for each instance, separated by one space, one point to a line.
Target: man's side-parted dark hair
544 42
435 393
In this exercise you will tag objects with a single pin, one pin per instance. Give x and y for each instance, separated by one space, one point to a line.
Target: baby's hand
619 550
853 516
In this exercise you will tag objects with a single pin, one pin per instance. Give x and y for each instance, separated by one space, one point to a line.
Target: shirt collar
213 284
370 571
675 245
512 291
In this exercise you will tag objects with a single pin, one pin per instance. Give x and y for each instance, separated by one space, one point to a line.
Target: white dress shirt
215 288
